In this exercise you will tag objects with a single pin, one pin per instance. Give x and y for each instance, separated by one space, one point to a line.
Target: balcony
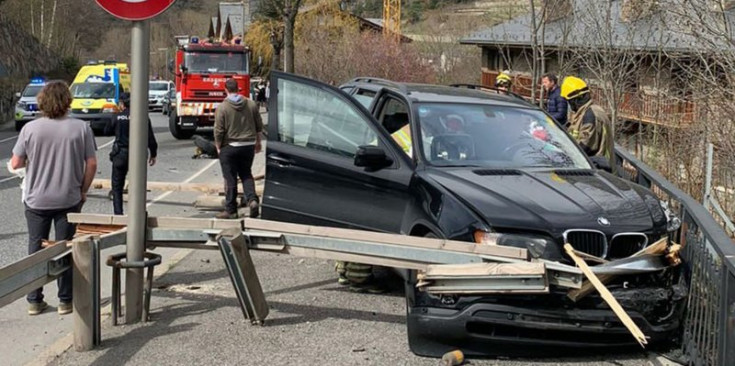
650 109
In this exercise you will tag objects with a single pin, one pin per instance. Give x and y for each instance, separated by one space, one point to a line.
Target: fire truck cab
201 69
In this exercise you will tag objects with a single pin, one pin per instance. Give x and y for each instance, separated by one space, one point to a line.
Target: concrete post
137 162
82 296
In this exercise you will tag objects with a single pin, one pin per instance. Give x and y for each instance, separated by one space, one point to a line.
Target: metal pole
708 176
140 58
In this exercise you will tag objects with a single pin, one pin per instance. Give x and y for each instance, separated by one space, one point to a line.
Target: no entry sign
135 9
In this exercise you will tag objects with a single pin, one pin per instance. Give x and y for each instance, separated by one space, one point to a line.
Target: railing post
708 176
82 251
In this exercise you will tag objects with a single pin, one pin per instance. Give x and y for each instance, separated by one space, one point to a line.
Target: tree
286 11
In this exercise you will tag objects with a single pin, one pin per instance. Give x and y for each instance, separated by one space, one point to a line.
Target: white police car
26 109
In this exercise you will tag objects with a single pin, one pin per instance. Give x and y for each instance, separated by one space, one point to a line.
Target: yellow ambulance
96 90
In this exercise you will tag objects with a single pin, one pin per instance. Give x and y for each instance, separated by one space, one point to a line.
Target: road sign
135 9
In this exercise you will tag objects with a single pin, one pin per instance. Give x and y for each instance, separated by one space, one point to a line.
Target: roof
231 13
433 93
676 26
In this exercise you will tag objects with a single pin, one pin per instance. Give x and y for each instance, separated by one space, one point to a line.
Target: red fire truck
201 70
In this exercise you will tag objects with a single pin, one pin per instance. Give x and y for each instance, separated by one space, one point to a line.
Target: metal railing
708 334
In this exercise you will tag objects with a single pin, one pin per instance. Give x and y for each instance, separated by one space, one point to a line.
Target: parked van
96 90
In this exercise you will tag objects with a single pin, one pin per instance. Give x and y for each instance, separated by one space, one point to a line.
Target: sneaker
254 208
65 308
226 215
36 308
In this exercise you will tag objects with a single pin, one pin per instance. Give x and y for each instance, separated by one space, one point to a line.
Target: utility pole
165 63
140 58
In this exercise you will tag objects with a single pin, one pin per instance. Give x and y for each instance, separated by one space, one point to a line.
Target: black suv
480 164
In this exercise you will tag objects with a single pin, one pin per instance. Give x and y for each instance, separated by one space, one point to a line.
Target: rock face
21 55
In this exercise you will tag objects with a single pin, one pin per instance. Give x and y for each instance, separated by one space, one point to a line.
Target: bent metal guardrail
708 334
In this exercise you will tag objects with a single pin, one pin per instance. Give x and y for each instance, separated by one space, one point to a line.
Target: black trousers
119 172
39 229
237 162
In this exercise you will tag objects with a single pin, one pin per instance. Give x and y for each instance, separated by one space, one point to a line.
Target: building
653 37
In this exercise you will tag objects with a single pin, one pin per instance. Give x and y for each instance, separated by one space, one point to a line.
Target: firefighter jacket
591 128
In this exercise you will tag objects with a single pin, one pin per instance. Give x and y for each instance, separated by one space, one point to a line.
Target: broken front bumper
493 329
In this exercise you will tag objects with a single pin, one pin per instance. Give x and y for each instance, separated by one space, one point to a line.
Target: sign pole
137 160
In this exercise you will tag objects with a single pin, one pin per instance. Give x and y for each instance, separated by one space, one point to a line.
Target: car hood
157 93
27 99
553 200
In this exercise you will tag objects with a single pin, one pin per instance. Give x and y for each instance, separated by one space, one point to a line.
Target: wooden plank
608 297
657 248
87 229
82 298
172 186
458 246
484 269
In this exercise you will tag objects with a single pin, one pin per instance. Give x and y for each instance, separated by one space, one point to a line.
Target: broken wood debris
211 188
608 297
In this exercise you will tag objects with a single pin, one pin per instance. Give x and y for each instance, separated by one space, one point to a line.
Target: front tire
176 130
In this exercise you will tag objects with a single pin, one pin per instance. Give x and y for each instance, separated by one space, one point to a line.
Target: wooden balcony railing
651 109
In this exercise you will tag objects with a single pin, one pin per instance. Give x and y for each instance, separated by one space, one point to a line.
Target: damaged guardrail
708 254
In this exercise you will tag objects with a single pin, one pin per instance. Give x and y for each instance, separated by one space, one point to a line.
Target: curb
66 342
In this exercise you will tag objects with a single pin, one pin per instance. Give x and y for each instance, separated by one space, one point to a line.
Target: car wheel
18 126
176 130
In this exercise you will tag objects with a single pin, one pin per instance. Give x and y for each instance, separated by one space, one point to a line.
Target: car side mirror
372 158
601 162
183 69
17 95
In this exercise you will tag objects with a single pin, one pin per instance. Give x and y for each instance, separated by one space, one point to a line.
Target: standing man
58 153
238 132
589 125
556 105
120 151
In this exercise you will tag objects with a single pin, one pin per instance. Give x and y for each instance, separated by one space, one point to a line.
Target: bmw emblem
603 221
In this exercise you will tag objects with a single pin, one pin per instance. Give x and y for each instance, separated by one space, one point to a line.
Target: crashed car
481 167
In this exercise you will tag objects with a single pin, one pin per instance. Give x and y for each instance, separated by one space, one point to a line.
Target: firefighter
589 125
503 82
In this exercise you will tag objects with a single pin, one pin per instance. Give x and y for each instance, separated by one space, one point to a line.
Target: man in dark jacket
237 134
556 105
120 151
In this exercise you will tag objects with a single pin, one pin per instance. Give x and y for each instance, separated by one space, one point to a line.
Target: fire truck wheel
176 130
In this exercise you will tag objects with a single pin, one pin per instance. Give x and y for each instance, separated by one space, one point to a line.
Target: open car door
328 162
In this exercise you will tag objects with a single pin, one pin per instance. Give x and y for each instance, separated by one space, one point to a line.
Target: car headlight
22 105
537 246
673 222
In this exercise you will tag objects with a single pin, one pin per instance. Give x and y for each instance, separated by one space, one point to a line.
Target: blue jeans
39 228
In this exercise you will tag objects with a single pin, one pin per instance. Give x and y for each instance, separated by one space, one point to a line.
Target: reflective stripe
404 140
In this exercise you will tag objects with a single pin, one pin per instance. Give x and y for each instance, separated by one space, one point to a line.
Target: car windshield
158 86
494 136
93 90
230 62
32 90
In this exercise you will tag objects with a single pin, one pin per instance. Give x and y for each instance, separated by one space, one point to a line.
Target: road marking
108 143
166 194
9 179
9 138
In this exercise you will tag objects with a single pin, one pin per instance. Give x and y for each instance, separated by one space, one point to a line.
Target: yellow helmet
573 87
503 79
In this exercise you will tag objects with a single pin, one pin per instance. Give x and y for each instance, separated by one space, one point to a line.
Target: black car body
331 161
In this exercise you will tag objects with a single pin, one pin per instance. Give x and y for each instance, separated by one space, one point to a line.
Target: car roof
460 93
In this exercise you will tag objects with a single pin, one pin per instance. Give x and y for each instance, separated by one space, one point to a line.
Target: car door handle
280 160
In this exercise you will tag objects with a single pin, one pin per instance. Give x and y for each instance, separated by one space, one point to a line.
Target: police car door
314 134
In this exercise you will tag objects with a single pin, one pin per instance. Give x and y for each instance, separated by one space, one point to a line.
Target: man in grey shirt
58 153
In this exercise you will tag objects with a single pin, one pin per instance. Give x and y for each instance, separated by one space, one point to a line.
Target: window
318 119
394 118
495 137
365 97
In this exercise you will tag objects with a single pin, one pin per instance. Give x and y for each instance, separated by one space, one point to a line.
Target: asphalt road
174 165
